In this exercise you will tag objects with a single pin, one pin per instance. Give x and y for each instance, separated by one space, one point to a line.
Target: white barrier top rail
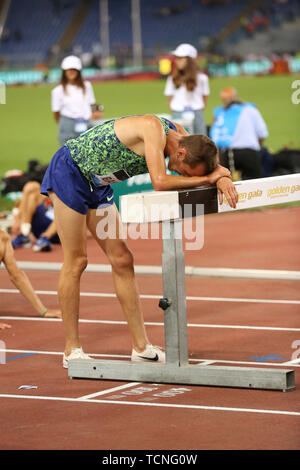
157 206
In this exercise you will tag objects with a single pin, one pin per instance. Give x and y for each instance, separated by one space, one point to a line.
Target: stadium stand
47 23
32 28
270 27
162 27
35 31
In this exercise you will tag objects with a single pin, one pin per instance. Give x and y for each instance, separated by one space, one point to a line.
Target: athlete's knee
4 237
80 263
31 187
122 259
75 265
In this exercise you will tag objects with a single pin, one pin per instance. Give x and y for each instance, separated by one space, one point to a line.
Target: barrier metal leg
173 271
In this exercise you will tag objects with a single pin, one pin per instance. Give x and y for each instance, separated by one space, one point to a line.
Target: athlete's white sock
25 228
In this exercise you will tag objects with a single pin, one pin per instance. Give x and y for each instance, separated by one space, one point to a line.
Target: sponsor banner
265 192
253 67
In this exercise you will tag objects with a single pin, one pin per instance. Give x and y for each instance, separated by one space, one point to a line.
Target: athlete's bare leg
121 260
71 228
31 199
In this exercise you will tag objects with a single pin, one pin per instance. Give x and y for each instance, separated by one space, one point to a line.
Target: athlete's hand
226 187
53 314
218 173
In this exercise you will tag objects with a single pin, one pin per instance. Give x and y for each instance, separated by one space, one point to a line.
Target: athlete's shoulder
152 121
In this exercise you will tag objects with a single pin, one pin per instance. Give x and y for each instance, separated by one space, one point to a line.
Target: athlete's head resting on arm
197 155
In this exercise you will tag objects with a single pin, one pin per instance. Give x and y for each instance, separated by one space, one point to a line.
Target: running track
251 322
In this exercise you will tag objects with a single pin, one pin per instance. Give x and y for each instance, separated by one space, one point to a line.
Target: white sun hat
71 62
185 50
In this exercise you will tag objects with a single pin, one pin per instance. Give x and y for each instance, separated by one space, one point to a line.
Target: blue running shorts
40 222
64 178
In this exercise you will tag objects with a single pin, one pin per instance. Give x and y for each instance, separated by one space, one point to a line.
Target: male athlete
78 182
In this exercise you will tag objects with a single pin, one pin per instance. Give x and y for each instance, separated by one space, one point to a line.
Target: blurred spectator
187 88
20 280
260 20
86 59
239 130
172 9
34 216
5 34
97 52
53 53
73 101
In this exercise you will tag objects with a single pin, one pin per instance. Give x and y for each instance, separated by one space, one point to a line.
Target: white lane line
156 296
124 356
122 322
189 270
243 327
158 405
294 362
55 353
206 363
105 392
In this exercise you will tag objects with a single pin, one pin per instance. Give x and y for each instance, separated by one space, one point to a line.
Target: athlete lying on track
78 182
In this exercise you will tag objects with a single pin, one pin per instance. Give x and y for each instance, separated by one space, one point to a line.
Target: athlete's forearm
169 182
21 281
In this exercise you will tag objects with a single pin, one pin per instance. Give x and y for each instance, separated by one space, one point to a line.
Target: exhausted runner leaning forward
78 182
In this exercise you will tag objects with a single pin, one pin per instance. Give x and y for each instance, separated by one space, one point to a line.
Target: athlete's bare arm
155 142
145 135
19 278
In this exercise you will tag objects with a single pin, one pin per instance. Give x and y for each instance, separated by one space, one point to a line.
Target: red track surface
143 416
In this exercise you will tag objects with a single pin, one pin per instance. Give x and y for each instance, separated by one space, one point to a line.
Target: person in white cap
73 101
187 88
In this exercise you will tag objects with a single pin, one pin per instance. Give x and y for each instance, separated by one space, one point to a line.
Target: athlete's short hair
200 149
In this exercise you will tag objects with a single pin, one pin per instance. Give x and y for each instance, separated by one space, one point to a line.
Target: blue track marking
273 357
19 356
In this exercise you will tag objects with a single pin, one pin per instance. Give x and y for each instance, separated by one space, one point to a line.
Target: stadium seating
275 13
162 27
38 25
35 26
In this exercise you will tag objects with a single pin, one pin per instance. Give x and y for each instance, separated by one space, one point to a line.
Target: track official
239 130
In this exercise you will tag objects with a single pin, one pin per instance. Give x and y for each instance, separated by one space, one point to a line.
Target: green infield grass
28 130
